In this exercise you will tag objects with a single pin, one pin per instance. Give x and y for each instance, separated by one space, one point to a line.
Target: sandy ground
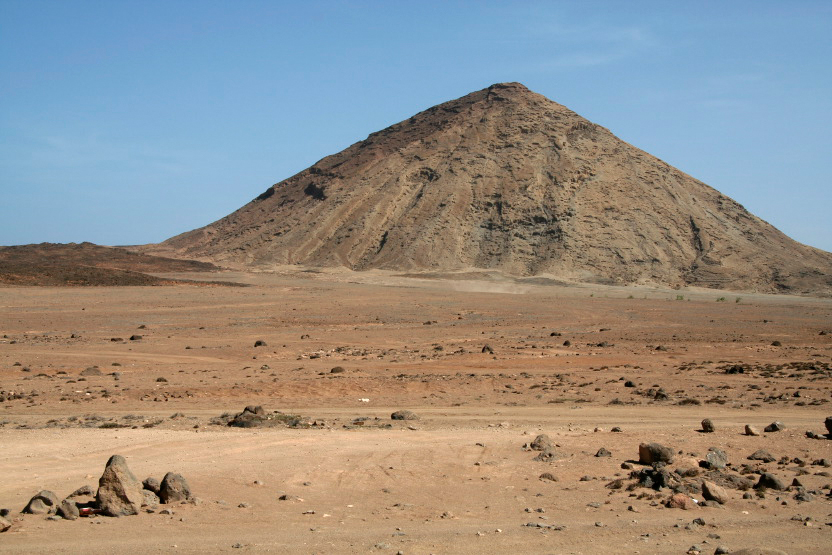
455 481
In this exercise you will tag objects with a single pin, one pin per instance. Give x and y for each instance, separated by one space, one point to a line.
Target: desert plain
487 363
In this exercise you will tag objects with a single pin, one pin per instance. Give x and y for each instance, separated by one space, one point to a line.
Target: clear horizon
132 122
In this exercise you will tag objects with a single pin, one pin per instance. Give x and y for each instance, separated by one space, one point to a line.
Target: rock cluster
119 494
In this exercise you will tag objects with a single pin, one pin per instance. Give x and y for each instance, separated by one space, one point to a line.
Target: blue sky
127 122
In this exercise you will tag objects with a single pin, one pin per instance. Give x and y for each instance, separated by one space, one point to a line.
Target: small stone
541 443
828 424
404 415
603 452
681 501
135 338
151 484
751 430
713 492
4 524
616 429
150 498
68 510
260 343
548 477
775 426
761 455
708 426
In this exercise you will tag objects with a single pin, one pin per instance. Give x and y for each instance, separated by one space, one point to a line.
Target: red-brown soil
455 481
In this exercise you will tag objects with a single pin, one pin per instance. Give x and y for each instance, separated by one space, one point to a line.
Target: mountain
505 179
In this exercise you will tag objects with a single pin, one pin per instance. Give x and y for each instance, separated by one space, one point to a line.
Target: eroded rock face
174 488
4 524
119 492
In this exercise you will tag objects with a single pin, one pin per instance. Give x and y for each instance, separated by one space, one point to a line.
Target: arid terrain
487 363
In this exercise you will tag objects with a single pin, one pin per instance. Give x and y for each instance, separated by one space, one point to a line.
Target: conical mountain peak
507 180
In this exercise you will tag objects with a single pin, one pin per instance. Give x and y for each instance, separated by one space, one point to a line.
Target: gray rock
804 496
603 452
708 426
649 453
541 443
83 491
751 430
775 426
770 481
92 371
119 492
44 503
150 498
255 409
761 455
828 424
151 484
404 415
174 488
547 455
68 510
716 458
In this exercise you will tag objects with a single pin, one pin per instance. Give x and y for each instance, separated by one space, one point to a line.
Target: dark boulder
649 453
174 488
775 426
770 481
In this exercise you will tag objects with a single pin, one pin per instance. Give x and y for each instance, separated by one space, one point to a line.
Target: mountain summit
505 179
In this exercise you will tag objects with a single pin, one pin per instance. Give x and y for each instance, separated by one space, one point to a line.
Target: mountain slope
505 179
